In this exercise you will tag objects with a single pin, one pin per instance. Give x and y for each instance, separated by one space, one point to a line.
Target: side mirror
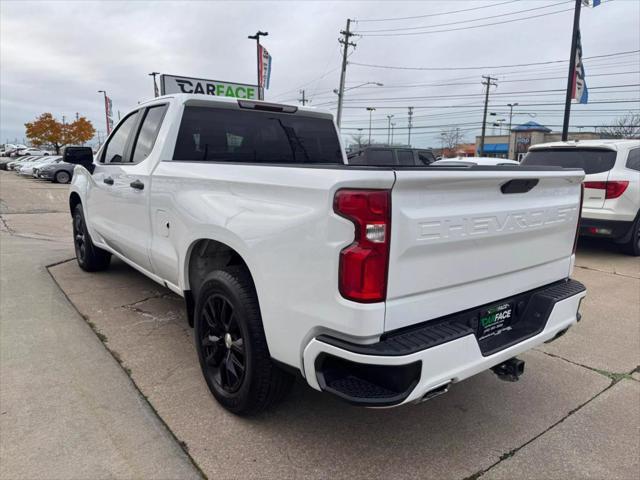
79 156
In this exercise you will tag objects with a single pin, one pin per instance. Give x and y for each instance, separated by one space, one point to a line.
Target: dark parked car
383 155
57 172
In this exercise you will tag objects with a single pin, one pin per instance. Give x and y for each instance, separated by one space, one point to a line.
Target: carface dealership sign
174 84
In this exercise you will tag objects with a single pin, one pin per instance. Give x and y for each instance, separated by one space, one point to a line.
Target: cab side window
115 151
426 157
148 132
379 156
405 157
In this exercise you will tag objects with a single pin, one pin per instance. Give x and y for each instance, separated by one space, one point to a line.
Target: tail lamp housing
612 188
364 263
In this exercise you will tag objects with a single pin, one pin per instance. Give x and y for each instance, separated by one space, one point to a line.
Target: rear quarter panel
281 221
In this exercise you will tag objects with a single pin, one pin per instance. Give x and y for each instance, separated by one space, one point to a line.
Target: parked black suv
384 155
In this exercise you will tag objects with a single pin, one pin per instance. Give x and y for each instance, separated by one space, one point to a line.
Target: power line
637 100
471 95
485 67
470 27
462 21
434 14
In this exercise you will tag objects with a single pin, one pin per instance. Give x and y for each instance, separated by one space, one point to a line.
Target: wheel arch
74 201
203 256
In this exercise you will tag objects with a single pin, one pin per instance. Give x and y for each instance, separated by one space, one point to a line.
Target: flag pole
572 70
256 37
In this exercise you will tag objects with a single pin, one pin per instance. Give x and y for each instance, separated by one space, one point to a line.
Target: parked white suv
611 188
380 285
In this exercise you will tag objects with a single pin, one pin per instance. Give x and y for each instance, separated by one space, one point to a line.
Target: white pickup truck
380 285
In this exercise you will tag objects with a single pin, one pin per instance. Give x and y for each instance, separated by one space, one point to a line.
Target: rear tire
62 177
89 257
231 344
632 247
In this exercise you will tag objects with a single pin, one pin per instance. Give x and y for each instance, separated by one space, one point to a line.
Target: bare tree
627 126
451 138
359 138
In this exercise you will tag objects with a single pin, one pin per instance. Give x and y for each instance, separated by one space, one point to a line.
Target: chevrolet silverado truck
380 285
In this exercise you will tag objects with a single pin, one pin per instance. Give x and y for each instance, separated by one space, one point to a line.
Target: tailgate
458 241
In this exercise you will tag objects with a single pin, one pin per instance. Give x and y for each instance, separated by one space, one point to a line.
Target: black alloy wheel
223 344
90 258
79 238
231 344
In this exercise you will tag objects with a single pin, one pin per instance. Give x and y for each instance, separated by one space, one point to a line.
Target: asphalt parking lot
574 414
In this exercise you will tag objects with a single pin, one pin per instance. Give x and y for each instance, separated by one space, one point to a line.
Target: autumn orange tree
48 131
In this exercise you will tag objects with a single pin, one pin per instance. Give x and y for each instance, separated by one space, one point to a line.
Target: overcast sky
55 56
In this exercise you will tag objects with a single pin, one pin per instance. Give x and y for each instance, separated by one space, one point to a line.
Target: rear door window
227 135
591 160
633 160
405 157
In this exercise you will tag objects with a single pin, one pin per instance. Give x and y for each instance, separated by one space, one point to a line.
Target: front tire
89 257
231 344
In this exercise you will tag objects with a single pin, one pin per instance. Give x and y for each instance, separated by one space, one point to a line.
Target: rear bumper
405 366
614 229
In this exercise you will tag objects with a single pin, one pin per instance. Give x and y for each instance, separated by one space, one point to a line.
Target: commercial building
517 143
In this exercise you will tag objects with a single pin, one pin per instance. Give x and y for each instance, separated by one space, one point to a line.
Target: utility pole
488 82
77 116
156 93
510 105
303 100
572 69
256 37
370 110
410 125
106 112
389 117
346 33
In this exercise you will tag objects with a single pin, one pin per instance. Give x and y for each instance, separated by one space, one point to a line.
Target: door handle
108 180
137 184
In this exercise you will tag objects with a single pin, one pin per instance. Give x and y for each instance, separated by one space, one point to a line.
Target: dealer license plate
495 320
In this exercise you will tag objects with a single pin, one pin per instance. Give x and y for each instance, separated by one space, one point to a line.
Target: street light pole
393 125
155 85
370 110
256 37
389 141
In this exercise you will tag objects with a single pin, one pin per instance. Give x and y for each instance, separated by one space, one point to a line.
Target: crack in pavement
592 269
614 377
127 372
512 452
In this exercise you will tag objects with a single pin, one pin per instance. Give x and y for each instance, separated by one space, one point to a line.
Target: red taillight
575 240
612 188
364 263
